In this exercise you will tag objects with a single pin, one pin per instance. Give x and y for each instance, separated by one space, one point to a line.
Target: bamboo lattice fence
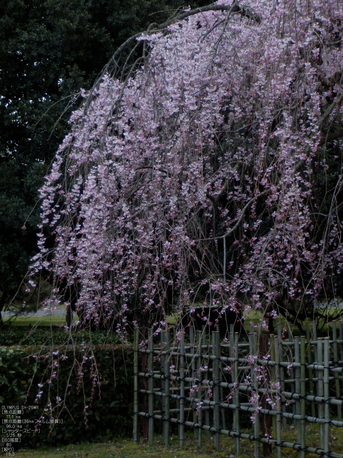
196 380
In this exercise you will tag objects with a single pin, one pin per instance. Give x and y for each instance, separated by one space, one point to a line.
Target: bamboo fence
264 384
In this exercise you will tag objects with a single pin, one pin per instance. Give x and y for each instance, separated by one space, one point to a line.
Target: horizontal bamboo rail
206 385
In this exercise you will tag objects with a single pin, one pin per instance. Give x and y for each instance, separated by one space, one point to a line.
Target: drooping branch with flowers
209 172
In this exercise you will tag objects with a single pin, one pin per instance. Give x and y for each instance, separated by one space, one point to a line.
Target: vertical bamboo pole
341 339
298 391
223 411
193 350
162 379
233 375
320 389
266 419
326 397
215 376
199 372
182 392
135 387
275 356
310 373
145 382
253 352
293 376
273 379
282 377
206 373
151 386
166 426
236 398
303 392
257 426
335 359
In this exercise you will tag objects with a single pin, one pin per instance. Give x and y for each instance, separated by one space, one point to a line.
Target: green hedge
105 386
36 335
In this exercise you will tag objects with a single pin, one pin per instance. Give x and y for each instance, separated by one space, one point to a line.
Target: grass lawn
37 320
46 320
254 317
125 448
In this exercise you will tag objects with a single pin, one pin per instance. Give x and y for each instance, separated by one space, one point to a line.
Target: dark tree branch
247 205
234 8
330 137
153 28
329 110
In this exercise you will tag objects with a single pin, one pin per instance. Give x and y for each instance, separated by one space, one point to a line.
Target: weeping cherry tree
208 172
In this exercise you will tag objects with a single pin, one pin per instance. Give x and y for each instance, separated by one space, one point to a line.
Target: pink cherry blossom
206 173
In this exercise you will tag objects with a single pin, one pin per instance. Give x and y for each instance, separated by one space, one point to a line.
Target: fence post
223 411
298 392
206 374
193 395
182 391
341 339
266 419
145 370
166 399
303 392
216 410
253 352
310 372
151 386
135 387
275 347
320 390
282 377
335 359
199 373
236 397
326 397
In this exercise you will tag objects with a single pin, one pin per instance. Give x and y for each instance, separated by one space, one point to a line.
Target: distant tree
48 51
211 172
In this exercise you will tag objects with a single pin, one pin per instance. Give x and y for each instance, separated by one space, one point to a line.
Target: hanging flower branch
207 173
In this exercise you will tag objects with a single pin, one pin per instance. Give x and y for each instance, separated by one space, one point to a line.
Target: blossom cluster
198 176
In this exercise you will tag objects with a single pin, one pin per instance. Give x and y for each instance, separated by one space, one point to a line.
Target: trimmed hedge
36 335
70 393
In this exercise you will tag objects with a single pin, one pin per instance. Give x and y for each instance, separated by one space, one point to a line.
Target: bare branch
327 113
245 208
334 136
234 8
